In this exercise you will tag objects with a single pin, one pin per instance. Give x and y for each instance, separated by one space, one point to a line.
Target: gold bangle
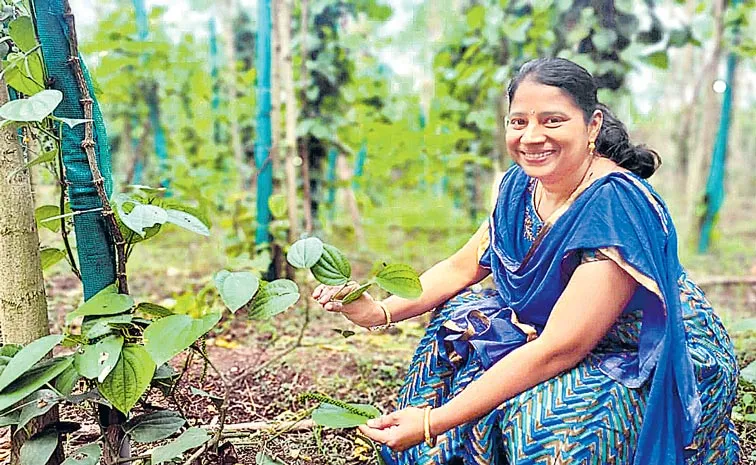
386 313
429 440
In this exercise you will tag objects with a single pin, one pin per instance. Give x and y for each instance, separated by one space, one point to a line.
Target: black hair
613 141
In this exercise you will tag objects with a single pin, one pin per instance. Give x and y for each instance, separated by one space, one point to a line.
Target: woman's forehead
533 96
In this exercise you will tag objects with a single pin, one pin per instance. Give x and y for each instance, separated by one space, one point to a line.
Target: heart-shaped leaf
21 31
274 298
749 373
97 327
400 280
66 381
277 205
37 404
191 438
168 336
35 108
39 375
73 122
141 216
332 268
334 416
237 288
154 426
355 294
44 212
151 309
85 455
98 360
305 253
39 448
27 357
105 302
129 379
49 257
187 221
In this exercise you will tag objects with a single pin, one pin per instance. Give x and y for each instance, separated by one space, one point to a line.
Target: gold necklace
539 193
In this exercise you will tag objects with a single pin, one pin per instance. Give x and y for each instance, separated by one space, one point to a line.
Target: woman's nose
533 134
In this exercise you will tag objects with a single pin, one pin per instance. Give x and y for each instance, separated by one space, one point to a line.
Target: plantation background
398 126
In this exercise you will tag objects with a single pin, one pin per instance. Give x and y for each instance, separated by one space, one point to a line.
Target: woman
595 346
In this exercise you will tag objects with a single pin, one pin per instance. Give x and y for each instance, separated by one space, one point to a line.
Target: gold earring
591 148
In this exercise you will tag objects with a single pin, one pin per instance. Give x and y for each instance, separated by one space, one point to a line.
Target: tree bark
23 304
290 138
304 151
345 174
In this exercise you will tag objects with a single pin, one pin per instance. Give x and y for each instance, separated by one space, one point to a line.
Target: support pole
263 142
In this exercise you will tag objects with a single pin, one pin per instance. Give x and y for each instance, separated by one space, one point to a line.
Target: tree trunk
23 305
290 139
304 152
228 11
710 117
345 174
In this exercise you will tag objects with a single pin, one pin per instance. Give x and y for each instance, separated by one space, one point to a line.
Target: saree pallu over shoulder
622 214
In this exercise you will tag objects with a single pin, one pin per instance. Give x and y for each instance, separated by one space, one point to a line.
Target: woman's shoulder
628 189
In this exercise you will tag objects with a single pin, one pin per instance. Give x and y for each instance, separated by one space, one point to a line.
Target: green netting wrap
95 246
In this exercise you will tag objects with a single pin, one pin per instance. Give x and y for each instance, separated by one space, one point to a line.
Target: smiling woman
594 347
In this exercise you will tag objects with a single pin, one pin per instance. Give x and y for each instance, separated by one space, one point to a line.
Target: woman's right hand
364 311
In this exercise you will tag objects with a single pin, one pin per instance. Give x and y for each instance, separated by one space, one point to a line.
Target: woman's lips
536 156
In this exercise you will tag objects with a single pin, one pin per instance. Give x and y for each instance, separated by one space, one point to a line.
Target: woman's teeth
538 155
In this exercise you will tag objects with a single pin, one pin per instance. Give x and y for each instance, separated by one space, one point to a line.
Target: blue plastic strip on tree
263 141
359 166
141 20
93 240
331 182
715 190
214 77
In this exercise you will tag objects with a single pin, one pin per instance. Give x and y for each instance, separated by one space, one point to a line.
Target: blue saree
643 369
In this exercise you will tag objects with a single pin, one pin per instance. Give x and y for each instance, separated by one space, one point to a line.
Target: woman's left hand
399 430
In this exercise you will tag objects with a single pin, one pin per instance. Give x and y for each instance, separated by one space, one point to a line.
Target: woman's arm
440 282
591 303
443 280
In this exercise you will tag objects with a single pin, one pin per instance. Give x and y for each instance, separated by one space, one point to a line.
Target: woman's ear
594 125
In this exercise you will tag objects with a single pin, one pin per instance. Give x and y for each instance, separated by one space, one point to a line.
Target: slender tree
23 304
290 100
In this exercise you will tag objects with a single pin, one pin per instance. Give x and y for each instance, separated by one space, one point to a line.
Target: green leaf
277 205
264 459
14 69
217 400
35 108
476 17
151 309
105 302
39 448
168 336
658 59
187 221
9 419
141 216
129 379
749 373
44 212
37 404
604 39
237 288
191 438
305 253
49 257
27 357
97 327
345 333
98 360
274 298
85 455
355 294
332 268
333 416
38 376
66 381
154 426
21 31
400 280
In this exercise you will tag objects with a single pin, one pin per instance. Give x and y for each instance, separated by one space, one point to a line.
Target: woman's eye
517 122
553 120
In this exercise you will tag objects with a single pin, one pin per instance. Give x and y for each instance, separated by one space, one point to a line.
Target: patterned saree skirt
580 416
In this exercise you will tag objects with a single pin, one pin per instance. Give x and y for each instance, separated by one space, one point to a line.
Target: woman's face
546 133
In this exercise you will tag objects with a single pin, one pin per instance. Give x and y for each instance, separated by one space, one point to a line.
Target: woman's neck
557 191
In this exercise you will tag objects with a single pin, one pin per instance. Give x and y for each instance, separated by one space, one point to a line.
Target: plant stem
133 459
224 406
